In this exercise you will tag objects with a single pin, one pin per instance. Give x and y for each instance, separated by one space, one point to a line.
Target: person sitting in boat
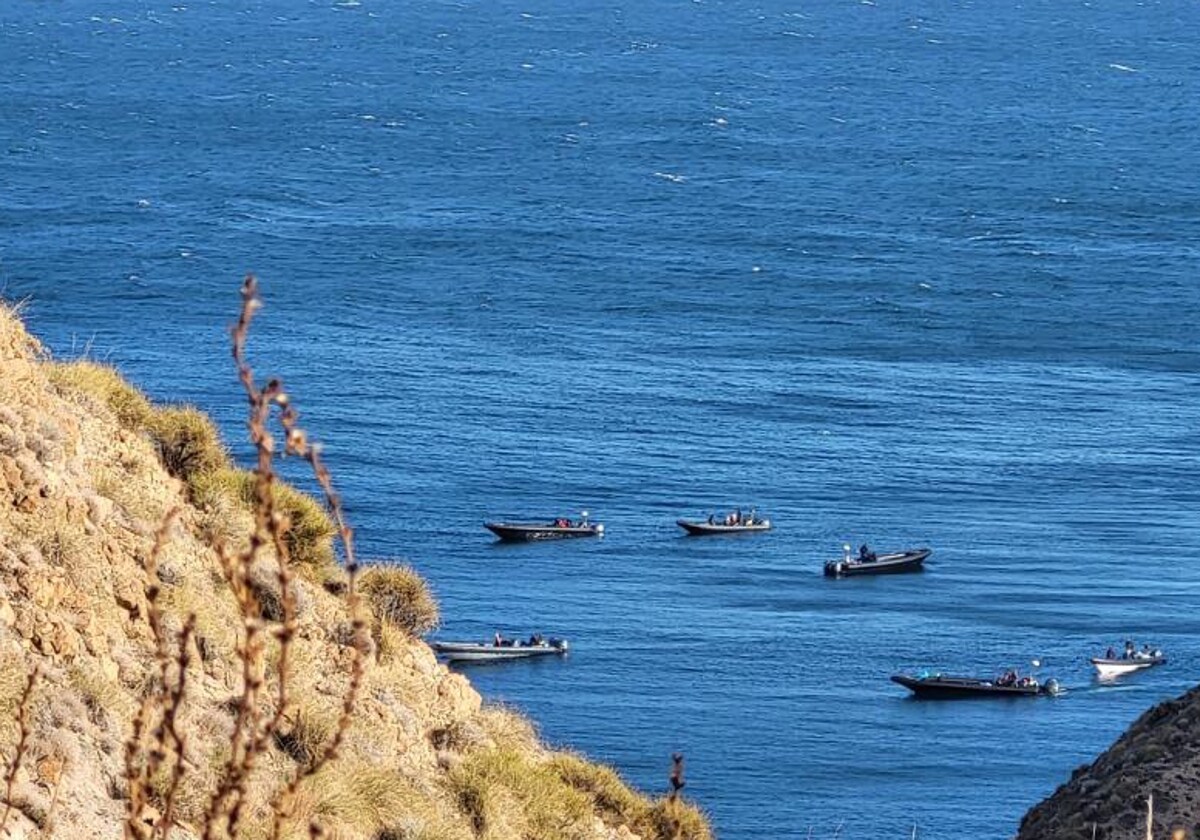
498 640
865 554
712 519
1110 653
1007 678
1129 650
562 522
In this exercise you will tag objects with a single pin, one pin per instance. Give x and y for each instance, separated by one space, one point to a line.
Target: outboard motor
1052 687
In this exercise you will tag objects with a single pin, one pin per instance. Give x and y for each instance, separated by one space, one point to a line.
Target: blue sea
899 273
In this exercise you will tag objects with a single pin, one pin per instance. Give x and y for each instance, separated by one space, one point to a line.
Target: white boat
1107 668
492 652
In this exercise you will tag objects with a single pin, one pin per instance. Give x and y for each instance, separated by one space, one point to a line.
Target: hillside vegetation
186 652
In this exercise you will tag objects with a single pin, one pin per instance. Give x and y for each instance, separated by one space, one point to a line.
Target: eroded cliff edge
1158 755
84 487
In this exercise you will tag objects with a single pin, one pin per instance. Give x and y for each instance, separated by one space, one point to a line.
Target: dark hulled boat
880 564
706 529
942 687
560 529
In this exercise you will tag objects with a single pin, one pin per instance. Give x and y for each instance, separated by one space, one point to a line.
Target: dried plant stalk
253 734
10 778
141 761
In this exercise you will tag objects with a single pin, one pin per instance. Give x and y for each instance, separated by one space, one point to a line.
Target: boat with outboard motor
869 563
733 523
559 529
1110 665
501 649
944 687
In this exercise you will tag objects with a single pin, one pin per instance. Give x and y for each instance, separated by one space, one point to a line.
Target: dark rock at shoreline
1158 755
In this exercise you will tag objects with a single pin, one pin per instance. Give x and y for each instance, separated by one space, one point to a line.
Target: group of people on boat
1010 678
735 518
1131 652
535 640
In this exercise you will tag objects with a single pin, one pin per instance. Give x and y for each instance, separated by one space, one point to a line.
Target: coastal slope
1158 755
117 519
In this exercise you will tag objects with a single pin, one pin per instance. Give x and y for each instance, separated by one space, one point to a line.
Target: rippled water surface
919 273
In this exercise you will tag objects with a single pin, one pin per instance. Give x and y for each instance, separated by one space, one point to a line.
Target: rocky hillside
1158 755
223 682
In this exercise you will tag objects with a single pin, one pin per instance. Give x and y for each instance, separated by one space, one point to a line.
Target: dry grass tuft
308 531
668 818
311 727
614 801
104 385
507 728
506 793
104 699
400 597
188 442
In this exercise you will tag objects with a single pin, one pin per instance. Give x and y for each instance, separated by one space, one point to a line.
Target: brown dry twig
10 778
160 709
297 443
252 734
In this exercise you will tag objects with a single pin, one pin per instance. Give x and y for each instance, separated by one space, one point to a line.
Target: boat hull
523 532
963 688
704 529
478 652
884 564
1109 668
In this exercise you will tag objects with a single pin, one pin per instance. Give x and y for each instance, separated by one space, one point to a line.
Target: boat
505 650
944 687
877 564
1108 667
559 529
716 525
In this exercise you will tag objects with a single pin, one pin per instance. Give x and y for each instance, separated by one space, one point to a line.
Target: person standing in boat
1129 649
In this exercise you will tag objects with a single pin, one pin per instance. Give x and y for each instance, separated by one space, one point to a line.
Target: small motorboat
943 687
500 649
1108 666
869 563
559 529
724 525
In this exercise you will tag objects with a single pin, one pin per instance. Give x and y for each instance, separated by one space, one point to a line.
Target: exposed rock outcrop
1158 755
